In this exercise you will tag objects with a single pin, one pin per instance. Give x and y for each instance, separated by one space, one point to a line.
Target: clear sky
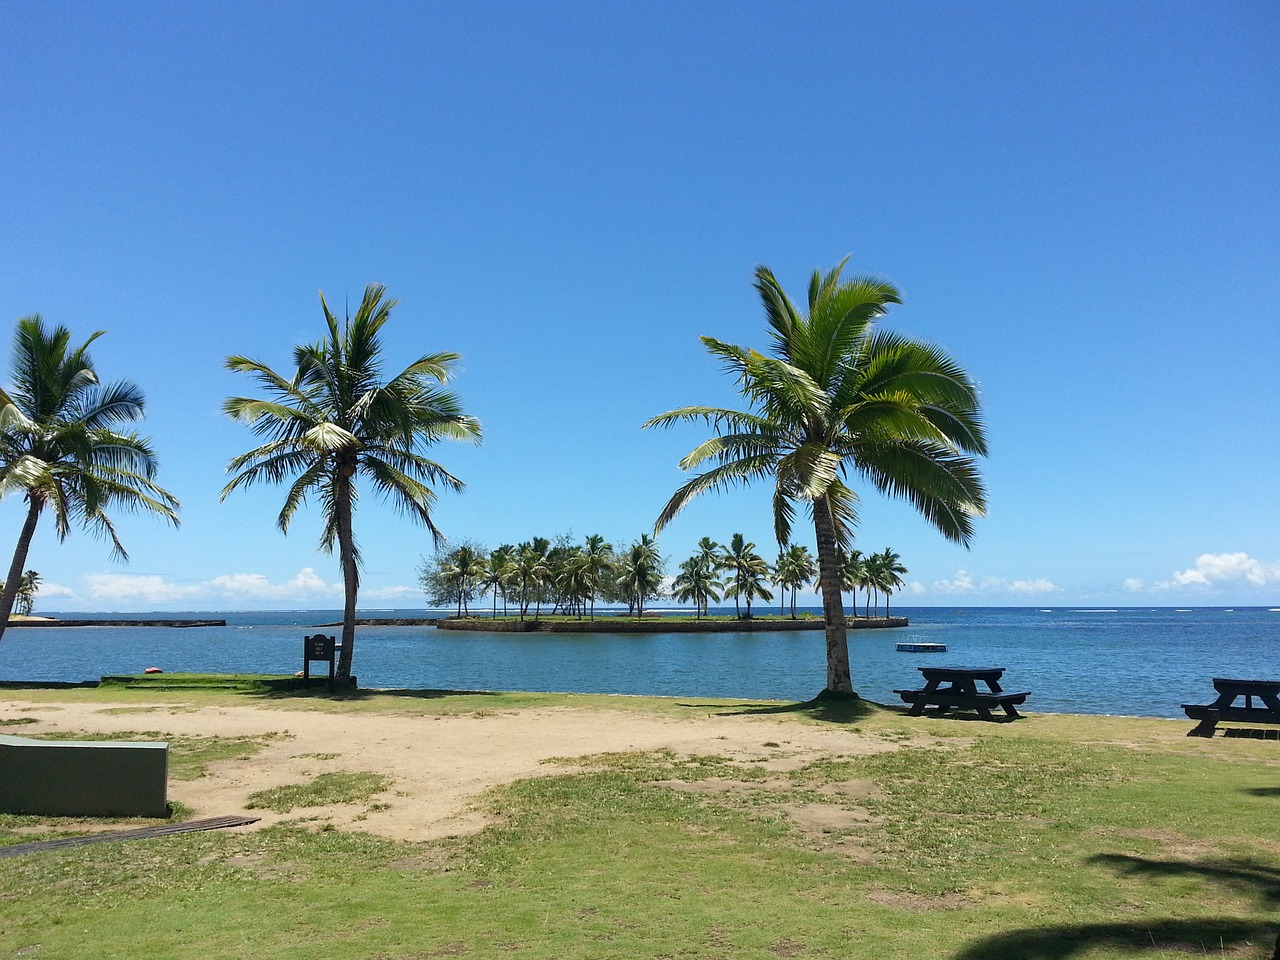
1080 200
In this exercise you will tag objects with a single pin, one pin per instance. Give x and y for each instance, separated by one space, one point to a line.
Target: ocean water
1128 661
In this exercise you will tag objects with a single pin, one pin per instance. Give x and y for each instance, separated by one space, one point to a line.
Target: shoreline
621 625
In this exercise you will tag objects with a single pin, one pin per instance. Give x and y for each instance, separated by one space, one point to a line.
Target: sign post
318 647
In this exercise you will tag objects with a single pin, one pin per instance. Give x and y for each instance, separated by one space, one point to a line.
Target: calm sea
1134 661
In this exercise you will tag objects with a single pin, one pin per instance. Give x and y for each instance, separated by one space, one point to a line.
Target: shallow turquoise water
1137 661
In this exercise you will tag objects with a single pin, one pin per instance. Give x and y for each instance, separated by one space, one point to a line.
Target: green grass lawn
1055 837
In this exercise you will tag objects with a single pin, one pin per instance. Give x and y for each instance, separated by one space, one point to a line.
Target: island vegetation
544 578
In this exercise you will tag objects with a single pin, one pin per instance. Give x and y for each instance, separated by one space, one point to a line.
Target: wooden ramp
142 833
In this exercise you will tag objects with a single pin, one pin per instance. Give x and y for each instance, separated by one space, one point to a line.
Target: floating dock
919 646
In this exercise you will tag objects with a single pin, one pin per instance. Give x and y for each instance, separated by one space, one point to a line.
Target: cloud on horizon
964 583
304 587
1214 570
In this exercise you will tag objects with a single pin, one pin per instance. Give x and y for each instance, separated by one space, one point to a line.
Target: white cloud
390 593
1030 587
964 583
960 583
1134 584
148 588
255 586
153 589
1224 569
49 590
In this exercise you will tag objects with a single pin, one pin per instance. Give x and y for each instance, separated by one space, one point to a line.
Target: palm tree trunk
350 576
14 580
838 679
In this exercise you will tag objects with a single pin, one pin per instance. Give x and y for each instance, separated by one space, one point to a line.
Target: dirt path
439 765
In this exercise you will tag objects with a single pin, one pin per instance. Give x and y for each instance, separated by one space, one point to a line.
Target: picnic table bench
1230 690
961 692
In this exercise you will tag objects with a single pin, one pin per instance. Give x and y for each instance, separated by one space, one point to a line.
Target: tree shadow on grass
1206 935
826 706
1210 936
1243 876
1262 791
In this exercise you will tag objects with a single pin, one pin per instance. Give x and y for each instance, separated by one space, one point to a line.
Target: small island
658 624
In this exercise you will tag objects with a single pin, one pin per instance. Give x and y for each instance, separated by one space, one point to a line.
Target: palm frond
944 486
726 475
731 447
310 478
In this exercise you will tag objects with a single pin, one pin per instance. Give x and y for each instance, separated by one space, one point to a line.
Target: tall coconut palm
697 582
498 575
793 570
886 572
463 570
597 563
747 573
334 420
529 573
853 574
837 399
640 572
61 445
27 590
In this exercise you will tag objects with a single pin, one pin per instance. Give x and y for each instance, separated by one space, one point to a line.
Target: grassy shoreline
1059 836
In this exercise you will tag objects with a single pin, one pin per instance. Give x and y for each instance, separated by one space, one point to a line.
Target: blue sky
1079 200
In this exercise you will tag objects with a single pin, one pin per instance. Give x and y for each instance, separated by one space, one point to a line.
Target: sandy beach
439 765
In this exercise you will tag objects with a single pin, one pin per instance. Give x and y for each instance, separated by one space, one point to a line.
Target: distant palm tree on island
793 571
747 571
61 446
333 419
837 396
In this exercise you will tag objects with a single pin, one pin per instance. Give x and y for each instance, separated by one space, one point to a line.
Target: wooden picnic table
1229 691
961 692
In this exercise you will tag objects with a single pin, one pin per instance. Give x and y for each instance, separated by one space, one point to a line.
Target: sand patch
439 765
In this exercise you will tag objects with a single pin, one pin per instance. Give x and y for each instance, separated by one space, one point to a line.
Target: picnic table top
1220 682
945 673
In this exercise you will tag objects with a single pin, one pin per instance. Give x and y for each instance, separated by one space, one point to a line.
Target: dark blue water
1136 661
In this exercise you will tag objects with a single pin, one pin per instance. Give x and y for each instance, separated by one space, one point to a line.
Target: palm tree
853 574
747 573
837 397
464 569
61 446
640 572
573 582
28 587
334 419
794 570
529 571
497 575
697 581
887 571
597 563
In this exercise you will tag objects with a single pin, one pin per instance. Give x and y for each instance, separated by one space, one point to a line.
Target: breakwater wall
117 623
621 625
387 622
